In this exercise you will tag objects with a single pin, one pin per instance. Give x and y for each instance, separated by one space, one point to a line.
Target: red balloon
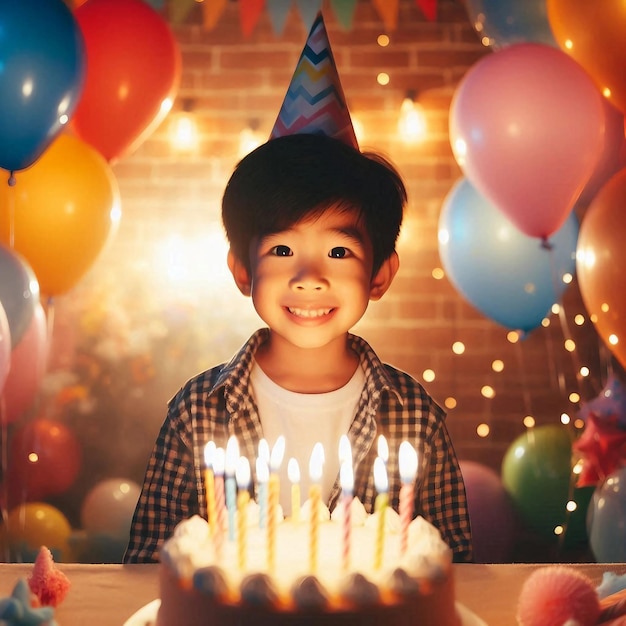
133 72
28 366
527 129
44 460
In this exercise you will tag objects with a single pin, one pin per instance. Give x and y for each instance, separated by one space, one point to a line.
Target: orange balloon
592 33
61 213
600 262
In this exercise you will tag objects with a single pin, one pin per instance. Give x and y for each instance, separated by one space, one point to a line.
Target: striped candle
346 477
316 463
220 501
407 459
230 465
243 483
209 481
293 473
380 506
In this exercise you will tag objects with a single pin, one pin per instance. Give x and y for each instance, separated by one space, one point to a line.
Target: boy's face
312 283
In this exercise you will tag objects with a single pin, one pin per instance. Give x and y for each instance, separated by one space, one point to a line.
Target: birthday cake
378 581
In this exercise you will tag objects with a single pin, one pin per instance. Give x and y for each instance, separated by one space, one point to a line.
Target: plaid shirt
217 403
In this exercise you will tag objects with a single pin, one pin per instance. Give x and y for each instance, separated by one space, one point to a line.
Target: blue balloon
42 71
507 22
19 292
510 277
606 519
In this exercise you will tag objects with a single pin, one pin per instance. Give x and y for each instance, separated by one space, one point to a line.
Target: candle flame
407 462
219 461
262 470
278 452
346 477
383 448
209 454
380 475
293 470
316 462
264 450
345 450
232 454
242 473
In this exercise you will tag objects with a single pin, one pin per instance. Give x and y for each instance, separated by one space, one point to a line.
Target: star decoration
17 610
603 450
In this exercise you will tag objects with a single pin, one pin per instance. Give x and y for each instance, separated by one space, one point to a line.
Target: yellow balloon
34 524
61 212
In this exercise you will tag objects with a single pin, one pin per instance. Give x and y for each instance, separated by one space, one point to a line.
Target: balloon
607 519
536 471
527 130
28 366
65 209
19 292
5 347
507 275
43 68
32 525
133 72
600 256
109 506
492 514
45 460
506 22
592 33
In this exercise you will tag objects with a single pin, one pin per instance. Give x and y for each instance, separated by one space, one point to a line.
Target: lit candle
293 472
383 449
381 484
262 477
316 463
276 458
346 478
220 502
230 465
209 482
243 482
407 459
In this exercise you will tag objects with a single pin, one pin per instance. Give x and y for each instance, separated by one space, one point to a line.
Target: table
106 595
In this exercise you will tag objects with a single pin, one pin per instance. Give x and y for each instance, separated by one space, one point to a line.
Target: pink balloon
527 129
28 366
5 347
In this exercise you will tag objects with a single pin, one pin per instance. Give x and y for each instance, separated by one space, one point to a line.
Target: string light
412 125
249 138
183 129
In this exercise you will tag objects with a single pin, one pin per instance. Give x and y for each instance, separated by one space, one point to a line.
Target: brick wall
231 82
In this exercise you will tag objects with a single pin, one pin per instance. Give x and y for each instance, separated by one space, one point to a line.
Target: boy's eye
282 251
339 252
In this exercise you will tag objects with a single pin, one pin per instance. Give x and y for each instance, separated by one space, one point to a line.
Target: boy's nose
309 280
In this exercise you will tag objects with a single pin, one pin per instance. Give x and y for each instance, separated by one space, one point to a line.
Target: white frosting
191 548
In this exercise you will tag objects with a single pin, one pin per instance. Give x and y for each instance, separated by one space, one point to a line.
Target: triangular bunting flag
278 10
178 11
211 12
249 14
308 11
388 11
344 12
428 8
314 102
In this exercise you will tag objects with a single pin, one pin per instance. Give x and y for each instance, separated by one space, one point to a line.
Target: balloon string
11 207
525 393
4 464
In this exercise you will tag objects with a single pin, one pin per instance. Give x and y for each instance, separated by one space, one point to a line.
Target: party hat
314 102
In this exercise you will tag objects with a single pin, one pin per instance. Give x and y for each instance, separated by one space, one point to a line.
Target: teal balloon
537 473
607 519
507 275
508 22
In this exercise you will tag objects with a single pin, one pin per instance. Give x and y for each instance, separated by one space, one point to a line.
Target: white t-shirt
304 419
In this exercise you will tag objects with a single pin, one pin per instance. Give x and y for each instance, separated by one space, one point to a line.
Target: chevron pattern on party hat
315 102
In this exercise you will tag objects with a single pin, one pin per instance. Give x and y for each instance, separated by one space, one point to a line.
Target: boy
312 225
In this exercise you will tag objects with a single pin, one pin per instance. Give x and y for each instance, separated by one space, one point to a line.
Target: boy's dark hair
296 176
